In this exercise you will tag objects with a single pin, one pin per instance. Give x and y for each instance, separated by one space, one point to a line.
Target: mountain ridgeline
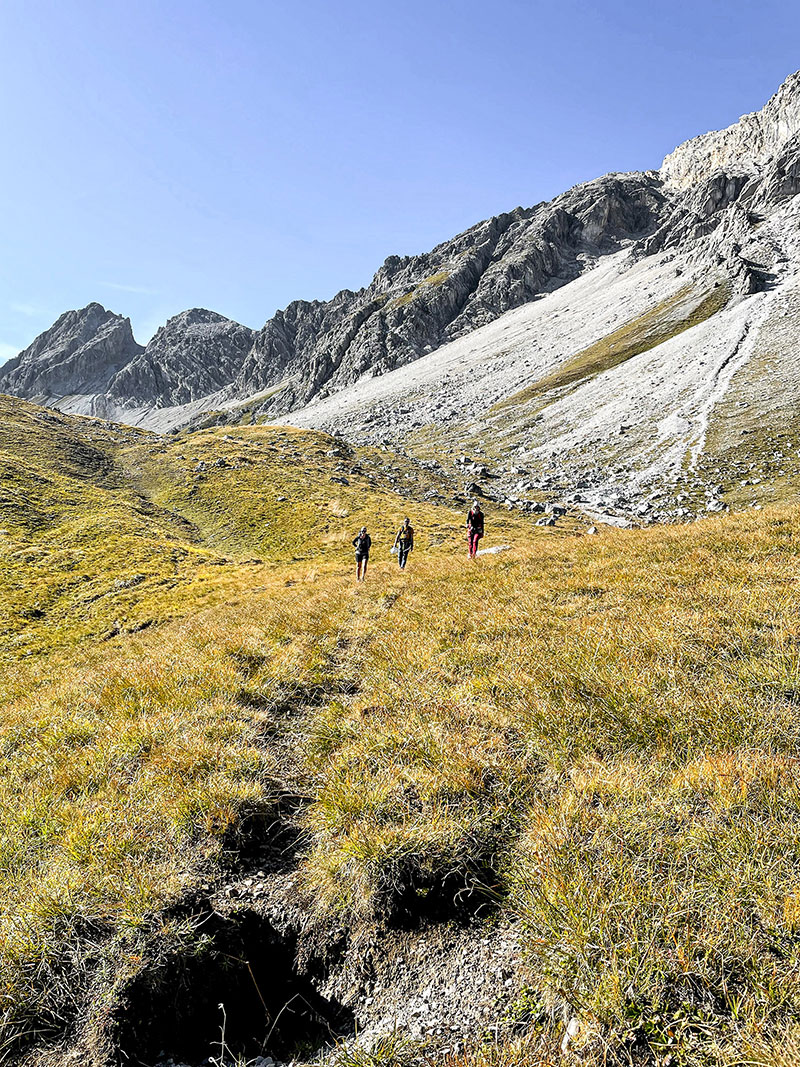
712 187
414 304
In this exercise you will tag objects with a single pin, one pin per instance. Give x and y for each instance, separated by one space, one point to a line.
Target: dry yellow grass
596 735
603 735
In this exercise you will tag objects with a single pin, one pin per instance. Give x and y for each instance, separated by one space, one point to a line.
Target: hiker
474 528
362 542
404 542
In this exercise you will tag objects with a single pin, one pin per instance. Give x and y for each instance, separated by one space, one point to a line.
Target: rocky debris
450 343
674 391
414 304
441 983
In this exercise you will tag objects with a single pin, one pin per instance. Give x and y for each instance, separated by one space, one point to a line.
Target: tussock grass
124 779
148 662
597 736
532 1050
602 734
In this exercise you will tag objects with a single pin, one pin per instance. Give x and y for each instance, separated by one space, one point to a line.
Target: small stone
573 1027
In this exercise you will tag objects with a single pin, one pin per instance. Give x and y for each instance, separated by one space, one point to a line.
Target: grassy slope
601 731
143 642
611 726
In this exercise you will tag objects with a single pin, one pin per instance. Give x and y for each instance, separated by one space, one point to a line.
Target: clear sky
238 154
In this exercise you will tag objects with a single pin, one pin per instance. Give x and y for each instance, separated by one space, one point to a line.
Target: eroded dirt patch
239 981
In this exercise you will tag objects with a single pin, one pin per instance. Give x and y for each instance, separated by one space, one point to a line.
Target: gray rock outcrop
89 362
414 304
197 353
706 202
80 353
745 146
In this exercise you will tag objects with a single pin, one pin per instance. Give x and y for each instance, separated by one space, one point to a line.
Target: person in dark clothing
362 543
404 542
474 528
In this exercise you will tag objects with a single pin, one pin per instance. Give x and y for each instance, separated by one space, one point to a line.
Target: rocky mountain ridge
562 329
194 354
413 305
747 144
80 353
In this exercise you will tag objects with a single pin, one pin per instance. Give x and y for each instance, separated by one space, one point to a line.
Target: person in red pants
474 528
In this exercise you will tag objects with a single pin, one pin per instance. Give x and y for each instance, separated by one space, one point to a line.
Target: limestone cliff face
717 218
746 145
80 353
195 354
417 303
413 305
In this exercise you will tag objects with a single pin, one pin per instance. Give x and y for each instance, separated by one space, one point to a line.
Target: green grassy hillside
596 736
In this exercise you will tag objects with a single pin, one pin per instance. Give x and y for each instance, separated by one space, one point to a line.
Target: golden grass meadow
595 736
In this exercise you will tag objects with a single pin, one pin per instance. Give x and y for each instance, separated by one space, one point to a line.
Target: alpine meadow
536 808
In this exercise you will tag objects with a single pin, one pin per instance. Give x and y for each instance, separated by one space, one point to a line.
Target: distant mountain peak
704 207
80 353
195 354
197 316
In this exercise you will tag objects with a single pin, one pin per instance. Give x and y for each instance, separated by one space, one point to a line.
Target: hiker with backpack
404 542
474 528
362 543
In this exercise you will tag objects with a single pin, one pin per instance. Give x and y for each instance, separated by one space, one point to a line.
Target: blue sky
239 154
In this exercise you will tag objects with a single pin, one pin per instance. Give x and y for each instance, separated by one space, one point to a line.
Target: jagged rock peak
89 363
196 317
743 146
196 326
80 352
194 354
74 327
